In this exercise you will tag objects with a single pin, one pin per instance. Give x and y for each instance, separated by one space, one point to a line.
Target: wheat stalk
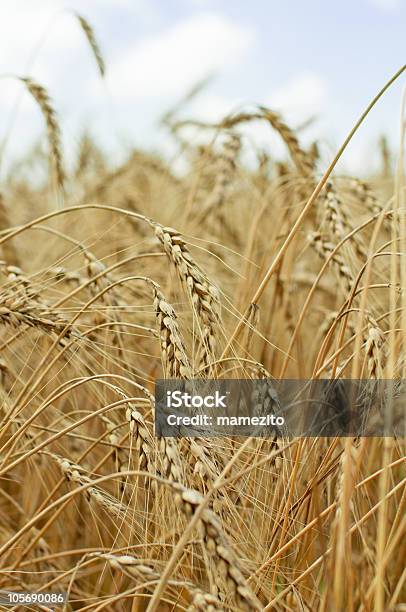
9 251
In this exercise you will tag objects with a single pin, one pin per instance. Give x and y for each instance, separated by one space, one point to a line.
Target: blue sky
303 58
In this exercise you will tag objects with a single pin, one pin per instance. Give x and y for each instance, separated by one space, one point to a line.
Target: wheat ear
218 548
94 45
43 100
173 351
203 294
324 250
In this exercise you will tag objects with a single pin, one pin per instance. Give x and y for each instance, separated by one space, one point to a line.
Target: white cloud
199 3
211 107
387 5
168 63
207 107
23 27
42 35
42 40
301 97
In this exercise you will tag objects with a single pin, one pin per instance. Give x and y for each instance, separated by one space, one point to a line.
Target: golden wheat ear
92 40
41 97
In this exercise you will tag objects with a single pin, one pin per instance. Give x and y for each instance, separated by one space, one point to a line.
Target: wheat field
114 278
